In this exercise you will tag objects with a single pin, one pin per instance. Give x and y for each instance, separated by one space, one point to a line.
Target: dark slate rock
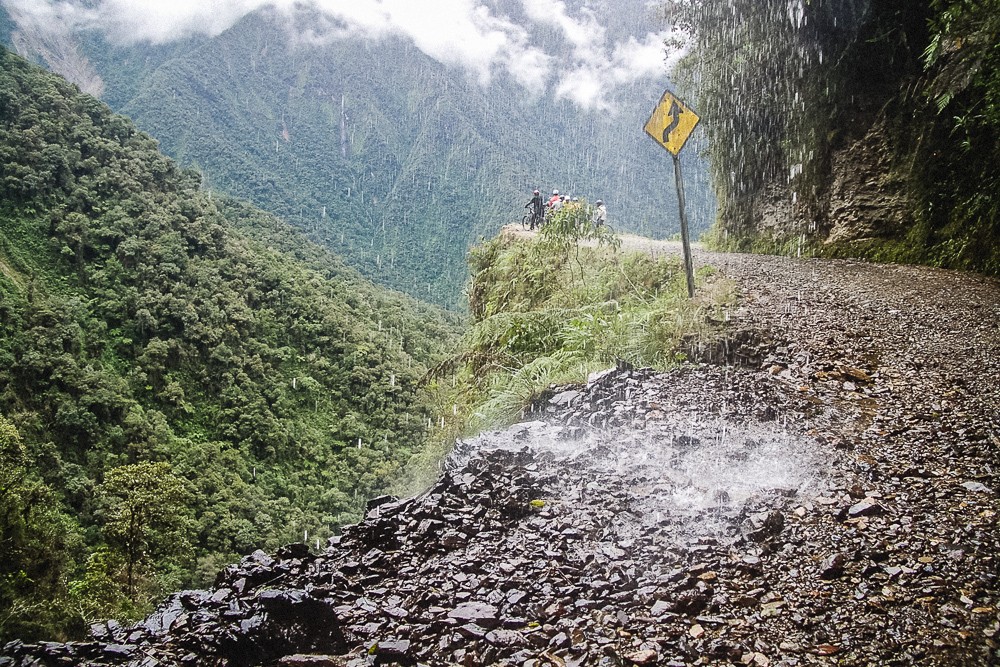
866 507
291 622
476 612
117 651
395 648
832 566
293 550
300 660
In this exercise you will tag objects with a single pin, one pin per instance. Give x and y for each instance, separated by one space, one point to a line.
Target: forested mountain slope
396 161
181 379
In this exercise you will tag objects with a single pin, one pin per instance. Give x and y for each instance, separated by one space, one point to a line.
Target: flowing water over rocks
820 489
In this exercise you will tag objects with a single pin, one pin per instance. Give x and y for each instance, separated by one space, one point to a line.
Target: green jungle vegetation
397 163
924 73
185 378
553 309
182 377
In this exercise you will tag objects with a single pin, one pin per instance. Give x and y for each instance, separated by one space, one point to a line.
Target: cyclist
536 212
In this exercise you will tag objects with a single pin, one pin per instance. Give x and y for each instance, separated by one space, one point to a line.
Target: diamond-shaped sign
672 123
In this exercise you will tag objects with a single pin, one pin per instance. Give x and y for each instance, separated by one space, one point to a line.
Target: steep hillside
185 359
397 162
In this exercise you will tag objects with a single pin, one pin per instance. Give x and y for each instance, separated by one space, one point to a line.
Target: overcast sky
468 33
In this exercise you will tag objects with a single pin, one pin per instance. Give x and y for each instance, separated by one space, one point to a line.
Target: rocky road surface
818 488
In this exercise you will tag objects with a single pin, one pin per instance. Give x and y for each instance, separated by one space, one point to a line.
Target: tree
174 322
145 516
572 225
35 540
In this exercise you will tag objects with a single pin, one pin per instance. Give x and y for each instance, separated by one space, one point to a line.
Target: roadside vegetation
552 309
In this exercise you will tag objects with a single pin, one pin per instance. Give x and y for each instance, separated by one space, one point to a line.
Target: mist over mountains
394 133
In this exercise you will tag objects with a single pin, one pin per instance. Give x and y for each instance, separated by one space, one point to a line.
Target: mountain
183 378
394 159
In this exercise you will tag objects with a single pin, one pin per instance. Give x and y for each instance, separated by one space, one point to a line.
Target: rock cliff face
862 198
866 198
876 137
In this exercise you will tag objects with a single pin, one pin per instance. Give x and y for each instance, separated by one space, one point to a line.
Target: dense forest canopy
798 95
182 378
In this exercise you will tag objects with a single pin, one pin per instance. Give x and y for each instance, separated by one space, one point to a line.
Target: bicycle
530 221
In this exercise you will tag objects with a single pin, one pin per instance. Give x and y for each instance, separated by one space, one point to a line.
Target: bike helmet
535 192
555 192
599 202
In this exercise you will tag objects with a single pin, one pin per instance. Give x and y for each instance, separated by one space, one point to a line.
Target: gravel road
903 365
890 374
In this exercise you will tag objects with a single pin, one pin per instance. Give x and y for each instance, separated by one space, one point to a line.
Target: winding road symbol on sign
671 123
675 118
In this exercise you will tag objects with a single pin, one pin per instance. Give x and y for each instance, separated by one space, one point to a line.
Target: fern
511 394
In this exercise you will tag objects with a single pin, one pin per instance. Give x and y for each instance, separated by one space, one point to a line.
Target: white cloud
136 20
598 67
458 32
584 67
585 87
583 33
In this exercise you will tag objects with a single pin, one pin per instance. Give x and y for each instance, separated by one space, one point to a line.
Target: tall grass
548 311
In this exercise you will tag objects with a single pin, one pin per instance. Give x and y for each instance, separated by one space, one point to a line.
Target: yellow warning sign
672 123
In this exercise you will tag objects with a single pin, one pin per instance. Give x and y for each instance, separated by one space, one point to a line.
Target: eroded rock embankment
829 499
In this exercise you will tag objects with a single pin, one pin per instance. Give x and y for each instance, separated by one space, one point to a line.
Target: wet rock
857 374
691 602
118 651
395 649
476 612
379 501
976 487
289 622
295 550
832 566
506 638
565 398
660 607
771 526
867 507
645 657
312 661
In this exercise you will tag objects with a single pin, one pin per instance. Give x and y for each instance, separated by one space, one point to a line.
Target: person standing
535 207
600 213
553 199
